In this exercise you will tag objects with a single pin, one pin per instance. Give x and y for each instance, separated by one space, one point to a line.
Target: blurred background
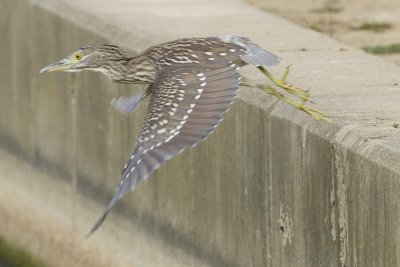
373 26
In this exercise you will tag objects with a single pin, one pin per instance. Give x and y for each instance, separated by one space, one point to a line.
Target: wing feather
185 106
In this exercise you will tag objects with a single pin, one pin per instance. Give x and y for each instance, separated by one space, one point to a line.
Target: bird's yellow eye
78 56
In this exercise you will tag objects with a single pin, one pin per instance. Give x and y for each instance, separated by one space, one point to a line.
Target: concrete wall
271 187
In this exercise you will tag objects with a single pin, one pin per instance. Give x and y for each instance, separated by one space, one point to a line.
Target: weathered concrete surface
271 187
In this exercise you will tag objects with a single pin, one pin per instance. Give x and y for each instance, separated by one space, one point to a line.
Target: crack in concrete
342 169
285 226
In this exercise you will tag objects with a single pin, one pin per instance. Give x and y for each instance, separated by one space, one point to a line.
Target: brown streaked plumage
191 82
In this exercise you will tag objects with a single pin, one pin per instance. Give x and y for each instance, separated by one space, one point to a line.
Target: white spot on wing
161 131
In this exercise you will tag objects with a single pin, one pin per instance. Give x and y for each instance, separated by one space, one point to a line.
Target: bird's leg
303 94
318 115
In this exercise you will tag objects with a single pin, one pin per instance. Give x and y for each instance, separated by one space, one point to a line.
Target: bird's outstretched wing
185 106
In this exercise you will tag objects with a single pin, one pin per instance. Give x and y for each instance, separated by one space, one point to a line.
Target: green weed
383 49
14 257
373 26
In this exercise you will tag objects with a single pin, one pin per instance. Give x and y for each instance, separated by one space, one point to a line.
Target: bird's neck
137 69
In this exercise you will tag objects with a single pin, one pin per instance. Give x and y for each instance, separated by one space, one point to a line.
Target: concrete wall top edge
358 90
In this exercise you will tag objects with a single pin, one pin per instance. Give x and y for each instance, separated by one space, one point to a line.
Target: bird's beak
64 64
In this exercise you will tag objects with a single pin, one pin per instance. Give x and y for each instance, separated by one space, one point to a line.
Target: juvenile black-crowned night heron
191 83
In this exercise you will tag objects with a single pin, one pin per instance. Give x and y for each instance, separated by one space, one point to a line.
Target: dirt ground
369 24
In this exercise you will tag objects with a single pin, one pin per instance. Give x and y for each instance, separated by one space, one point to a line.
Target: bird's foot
303 94
316 114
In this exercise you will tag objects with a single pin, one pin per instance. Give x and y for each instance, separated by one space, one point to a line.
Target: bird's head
95 58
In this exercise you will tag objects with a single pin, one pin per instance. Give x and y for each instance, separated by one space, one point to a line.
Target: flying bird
191 83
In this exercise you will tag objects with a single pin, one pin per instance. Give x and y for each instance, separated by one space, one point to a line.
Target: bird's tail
255 54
